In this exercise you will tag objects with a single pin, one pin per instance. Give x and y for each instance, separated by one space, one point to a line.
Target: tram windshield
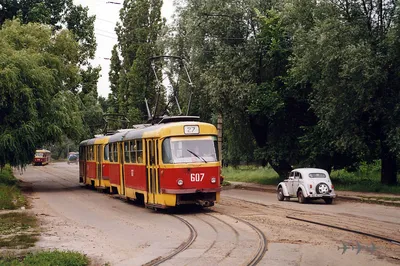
39 154
190 150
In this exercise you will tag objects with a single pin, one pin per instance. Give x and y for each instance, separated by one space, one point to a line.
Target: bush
7 177
48 258
56 258
10 196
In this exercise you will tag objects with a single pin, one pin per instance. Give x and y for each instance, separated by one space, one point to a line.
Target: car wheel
328 201
279 194
301 197
322 188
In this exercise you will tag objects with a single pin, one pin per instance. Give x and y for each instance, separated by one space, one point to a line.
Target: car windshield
190 149
317 175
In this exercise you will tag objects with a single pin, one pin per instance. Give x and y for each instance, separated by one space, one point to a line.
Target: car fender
284 188
303 188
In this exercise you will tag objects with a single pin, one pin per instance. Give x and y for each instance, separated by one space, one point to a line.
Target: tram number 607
198 177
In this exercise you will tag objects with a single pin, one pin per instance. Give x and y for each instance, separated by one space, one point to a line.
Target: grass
18 230
10 195
48 258
251 174
365 179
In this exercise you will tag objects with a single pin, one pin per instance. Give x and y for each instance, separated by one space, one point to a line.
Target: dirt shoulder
368 197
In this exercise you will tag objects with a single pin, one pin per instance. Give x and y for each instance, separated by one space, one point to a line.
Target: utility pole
219 128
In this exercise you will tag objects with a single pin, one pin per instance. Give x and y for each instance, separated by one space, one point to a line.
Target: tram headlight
213 180
180 182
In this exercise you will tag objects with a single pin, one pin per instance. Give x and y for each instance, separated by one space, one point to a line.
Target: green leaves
138 36
36 73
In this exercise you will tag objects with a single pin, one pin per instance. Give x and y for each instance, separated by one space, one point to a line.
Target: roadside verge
366 197
20 229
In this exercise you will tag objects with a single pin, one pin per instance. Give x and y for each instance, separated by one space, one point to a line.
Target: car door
290 184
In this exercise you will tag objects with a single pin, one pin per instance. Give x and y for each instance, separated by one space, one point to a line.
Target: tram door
121 159
152 170
82 162
98 165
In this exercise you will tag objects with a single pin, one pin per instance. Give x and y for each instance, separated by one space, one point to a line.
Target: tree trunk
324 162
282 168
389 166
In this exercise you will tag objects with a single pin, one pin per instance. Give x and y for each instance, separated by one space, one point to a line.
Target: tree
47 12
138 33
240 56
48 65
114 77
348 52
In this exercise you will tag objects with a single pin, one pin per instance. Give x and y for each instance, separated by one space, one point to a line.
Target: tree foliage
348 55
315 82
138 32
48 69
37 70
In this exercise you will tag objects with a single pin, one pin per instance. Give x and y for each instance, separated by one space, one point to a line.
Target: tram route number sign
191 130
196 177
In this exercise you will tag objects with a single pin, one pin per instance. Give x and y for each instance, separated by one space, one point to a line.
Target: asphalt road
230 233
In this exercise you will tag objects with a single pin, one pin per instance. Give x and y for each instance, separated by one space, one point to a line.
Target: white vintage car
307 183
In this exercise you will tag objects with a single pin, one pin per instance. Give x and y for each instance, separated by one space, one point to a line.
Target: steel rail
185 244
396 242
262 247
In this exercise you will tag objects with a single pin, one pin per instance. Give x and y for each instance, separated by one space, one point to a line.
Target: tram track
220 246
389 240
232 229
218 222
182 247
254 259
262 247
355 226
351 228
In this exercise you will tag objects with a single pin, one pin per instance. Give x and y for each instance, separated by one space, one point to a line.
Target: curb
344 197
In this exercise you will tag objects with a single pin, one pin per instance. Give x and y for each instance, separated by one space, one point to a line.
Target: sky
107 15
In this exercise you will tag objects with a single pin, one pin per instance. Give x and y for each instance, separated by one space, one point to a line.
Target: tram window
190 149
166 155
115 152
133 151
215 139
90 153
110 149
126 151
139 151
106 153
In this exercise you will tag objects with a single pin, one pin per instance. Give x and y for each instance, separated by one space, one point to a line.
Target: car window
296 175
317 175
291 174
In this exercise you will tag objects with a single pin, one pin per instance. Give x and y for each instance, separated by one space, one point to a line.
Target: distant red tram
42 157
164 165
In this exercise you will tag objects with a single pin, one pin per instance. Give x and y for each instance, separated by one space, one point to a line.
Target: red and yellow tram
163 165
42 157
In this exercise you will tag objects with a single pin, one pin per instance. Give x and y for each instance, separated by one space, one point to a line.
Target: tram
42 157
174 162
